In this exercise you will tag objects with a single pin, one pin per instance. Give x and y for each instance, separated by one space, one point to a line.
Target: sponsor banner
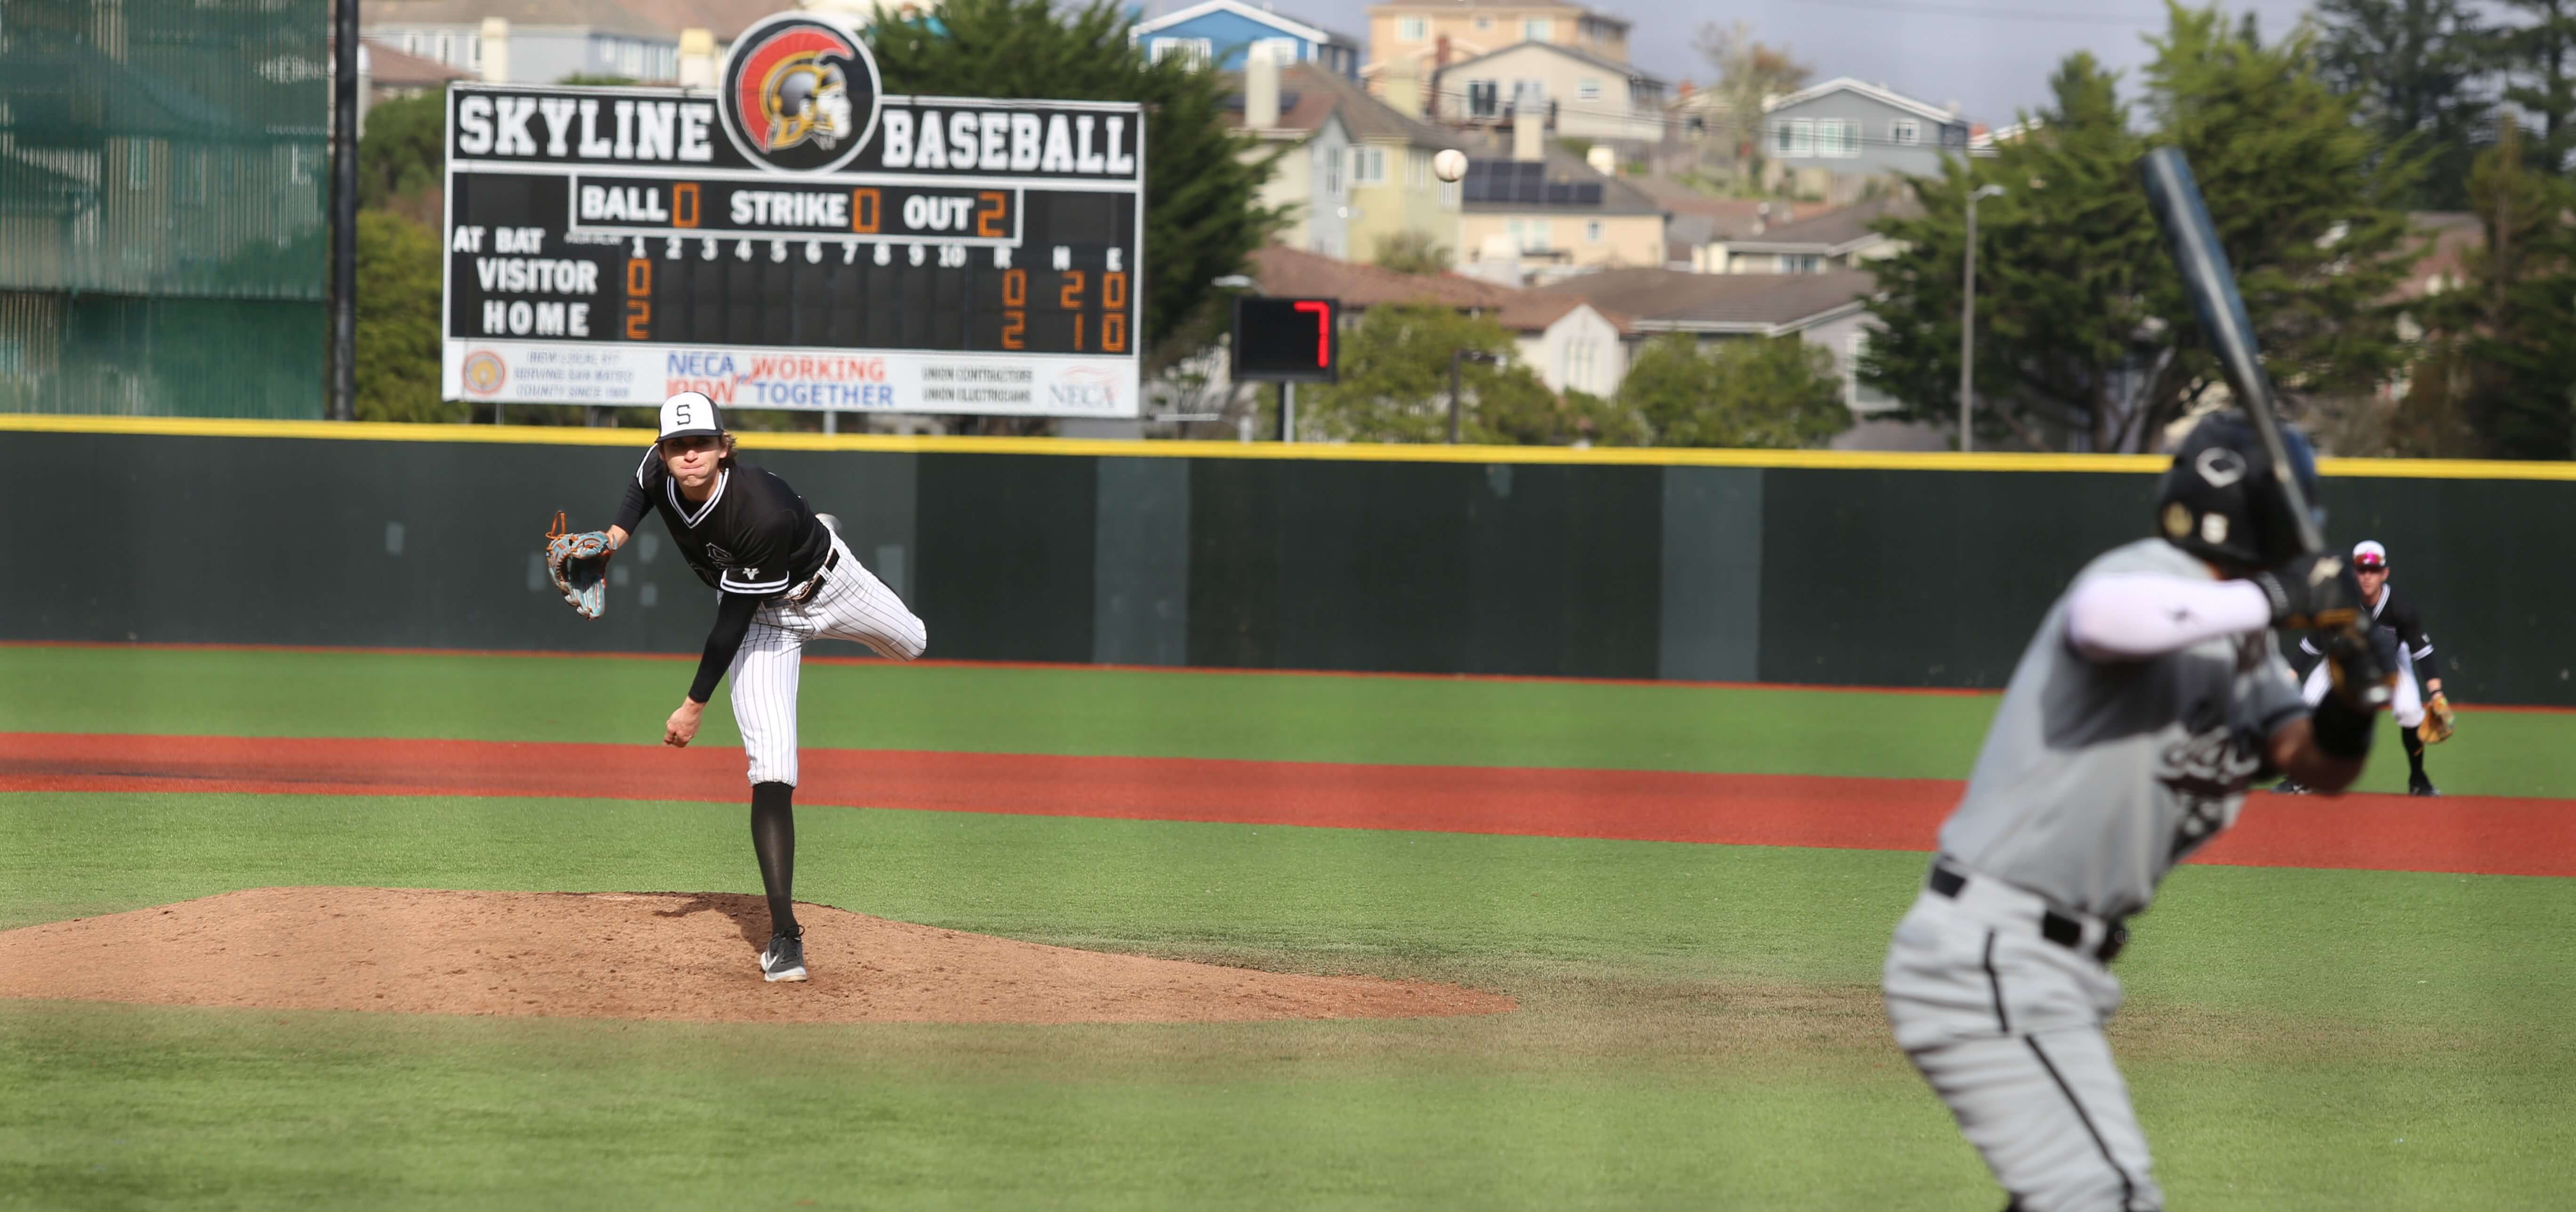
541 372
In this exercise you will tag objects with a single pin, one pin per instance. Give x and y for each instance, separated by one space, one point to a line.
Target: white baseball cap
688 414
2369 554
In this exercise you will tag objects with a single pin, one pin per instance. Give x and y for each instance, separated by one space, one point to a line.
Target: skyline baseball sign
793 239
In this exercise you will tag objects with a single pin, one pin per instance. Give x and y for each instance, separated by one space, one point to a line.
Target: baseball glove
2438 720
579 563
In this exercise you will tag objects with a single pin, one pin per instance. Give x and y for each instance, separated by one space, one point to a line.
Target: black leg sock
2414 750
773 839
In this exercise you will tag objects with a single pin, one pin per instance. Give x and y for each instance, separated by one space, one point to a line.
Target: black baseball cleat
2290 787
2419 785
784 960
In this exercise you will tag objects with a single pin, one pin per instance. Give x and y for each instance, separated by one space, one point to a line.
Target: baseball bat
2175 198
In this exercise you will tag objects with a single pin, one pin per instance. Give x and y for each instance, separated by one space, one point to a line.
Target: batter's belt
1997 898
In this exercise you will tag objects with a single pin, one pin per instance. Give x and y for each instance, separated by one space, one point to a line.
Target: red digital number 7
1323 328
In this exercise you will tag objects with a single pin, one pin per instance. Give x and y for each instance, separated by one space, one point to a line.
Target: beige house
1834 240
1543 213
1302 127
1428 34
1577 92
1386 176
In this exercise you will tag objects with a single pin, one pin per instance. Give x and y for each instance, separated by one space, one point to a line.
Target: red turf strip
2469 834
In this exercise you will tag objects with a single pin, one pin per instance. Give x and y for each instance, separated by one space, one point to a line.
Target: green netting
164 172
160 357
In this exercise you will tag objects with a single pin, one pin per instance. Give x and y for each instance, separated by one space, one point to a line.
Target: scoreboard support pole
1287 412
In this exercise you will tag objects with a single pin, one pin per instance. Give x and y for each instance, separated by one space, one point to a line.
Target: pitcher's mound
659 955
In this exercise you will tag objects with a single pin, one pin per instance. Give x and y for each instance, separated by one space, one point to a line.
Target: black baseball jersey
2395 615
754 536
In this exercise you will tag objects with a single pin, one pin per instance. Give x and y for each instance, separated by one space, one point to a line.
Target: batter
783 580
2151 697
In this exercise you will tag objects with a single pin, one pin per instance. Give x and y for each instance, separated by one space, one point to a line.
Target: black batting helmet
2217 502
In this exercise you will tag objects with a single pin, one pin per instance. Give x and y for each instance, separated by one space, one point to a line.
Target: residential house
1219 32
390 74
1828 310
1569 343
1422 34
1387 178
1834 138
541 41
1841 238
1543 212
1578 92
1302 127
1694 220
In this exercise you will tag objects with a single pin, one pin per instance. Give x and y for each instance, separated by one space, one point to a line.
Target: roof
1596 59
1876 92
1364 116
1831 230
1728 218
1793 301
1303 29
723 18
1286 271
1671 299
388 66
1984 141
2440 240
610 15
1303 111
1618 197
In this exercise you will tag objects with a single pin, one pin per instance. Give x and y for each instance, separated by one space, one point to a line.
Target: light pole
1455 357
1968 317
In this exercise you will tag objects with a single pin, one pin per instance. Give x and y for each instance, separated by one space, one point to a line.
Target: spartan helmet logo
799 94
806 96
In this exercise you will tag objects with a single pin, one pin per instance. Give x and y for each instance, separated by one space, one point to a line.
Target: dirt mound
658 955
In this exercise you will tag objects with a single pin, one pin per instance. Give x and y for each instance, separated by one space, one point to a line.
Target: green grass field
1699 1027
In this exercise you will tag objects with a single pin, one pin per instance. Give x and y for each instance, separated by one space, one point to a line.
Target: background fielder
2398 619
784 579
2151 697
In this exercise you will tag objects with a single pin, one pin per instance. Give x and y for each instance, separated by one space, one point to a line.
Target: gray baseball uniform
2097 777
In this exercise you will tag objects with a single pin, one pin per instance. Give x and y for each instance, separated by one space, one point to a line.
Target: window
447 48
411 42
1529 234
1193 51
1798 263
1484 98
1417 168
1587 89
474 52
1368 166
1484 23
1592 231
1794 137
1905 132
1412 29
1529 95
1332 160
1283 50
1859 396
138 163
1448 195
1534 29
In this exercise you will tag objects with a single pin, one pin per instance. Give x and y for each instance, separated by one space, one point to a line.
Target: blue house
1218 32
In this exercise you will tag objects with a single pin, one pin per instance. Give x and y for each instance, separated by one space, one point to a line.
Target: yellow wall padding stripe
1865 460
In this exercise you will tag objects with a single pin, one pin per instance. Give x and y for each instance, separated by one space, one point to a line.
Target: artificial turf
1699 1024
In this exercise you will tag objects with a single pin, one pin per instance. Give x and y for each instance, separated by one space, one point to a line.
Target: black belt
808 589
2054 926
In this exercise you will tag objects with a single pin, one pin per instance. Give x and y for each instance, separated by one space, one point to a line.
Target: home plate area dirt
655 955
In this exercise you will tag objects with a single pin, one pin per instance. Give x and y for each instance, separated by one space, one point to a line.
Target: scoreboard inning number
1283 340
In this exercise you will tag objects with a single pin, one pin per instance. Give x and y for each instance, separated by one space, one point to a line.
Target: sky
1991 56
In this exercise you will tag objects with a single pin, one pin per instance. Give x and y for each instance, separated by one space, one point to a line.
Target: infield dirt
665 955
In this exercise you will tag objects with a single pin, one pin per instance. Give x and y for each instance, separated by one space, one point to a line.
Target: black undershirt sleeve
733 622
630 512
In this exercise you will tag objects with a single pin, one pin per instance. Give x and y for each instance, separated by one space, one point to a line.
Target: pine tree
2417 67
2541 53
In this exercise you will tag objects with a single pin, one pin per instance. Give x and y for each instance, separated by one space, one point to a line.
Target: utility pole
1968 320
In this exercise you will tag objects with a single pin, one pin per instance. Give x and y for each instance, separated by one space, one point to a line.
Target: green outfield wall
1796 567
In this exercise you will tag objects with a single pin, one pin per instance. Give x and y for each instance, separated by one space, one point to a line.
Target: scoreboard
792 240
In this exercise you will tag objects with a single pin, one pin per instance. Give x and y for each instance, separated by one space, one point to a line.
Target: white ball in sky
1450 164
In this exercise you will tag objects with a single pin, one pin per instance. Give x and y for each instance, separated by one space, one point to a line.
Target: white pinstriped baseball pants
2407 706
2007 1028
852 605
